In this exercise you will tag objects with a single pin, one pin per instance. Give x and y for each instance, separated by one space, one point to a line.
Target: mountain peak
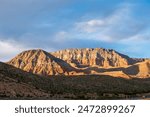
33 51
40 62
94 56
79 62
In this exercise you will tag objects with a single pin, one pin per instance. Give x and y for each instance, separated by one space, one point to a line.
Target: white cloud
116 27
90 26
9 49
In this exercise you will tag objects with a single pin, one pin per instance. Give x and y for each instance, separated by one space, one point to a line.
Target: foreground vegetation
68 87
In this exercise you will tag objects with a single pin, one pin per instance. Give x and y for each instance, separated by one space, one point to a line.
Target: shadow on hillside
133 70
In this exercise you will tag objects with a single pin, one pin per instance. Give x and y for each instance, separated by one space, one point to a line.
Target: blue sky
122 25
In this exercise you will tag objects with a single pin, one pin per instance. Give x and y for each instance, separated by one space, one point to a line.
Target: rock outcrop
94 57
82 62
41 62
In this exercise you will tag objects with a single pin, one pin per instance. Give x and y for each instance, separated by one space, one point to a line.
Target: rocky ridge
40 62
100 57
86 61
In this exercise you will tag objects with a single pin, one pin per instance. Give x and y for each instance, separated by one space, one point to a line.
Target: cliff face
94 57
40 62
81 62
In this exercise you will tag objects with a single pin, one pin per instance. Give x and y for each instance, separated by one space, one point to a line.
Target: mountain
41 62
100 57
88 61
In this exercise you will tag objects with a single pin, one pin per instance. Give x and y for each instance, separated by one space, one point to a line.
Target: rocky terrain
75 74
41 62
88 61
99 57
18 84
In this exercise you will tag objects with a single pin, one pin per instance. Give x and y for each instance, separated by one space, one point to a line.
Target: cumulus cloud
9 49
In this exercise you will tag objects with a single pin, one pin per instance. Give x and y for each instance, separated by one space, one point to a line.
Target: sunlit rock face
40 62
86 61
94 57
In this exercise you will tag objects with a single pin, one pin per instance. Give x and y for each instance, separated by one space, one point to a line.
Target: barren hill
86 61
94 57
40 62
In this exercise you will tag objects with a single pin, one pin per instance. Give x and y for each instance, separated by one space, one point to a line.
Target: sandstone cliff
94 57
82 62
40 62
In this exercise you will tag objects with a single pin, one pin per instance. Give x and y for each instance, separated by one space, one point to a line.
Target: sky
122 25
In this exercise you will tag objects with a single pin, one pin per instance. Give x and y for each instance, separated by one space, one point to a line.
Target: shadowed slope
87 61
17 84
41 62
141 69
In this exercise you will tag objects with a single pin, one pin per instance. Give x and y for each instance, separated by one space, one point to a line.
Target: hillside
87 61
41 62
18 84
141 69
94 57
